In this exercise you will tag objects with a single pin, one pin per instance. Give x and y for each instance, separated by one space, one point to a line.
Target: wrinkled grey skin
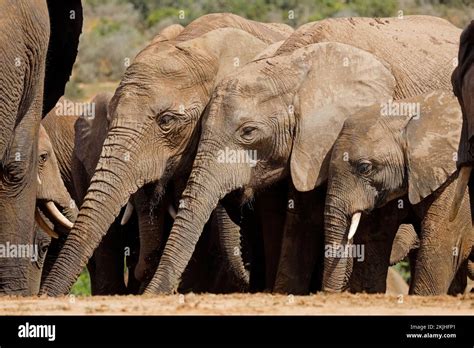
399 169
34 66
78 141
153 133
277 107
233 123
60 129
50 188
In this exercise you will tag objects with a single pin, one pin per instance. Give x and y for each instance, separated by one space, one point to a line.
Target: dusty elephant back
419 50
267 32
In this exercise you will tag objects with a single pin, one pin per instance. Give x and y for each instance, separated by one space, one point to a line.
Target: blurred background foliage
116 30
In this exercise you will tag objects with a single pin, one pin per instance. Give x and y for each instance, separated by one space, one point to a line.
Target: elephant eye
248 132
43 157
165 121
364 167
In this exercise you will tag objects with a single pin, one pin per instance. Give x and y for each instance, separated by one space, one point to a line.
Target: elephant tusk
54 211
127 214
57 215
44 226
463 179
172 211
354 223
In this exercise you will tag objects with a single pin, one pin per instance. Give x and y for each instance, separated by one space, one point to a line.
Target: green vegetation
116 30
404 269
82 287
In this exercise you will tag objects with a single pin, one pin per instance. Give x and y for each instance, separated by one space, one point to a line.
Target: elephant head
463 87
154 117
301 99
35 67
379 157
51 191
51 194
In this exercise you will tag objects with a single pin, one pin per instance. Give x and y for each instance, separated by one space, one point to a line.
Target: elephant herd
239 156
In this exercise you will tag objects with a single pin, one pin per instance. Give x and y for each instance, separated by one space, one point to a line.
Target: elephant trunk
209 182
337 267
229 239
110 189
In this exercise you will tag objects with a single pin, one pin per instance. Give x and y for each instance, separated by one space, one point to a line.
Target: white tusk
54 211
354 223
127 214
172 211
44 226
38 179
463 179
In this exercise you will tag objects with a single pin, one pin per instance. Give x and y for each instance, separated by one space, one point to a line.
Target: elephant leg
375 237
53 251
106 266
459 283
270 207
444 245
302 243
153 229
132 247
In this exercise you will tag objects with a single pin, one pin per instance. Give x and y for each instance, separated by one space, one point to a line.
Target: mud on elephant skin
403 163
37 65
278 101
155 113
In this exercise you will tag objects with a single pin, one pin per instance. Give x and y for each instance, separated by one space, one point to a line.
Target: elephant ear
432 140
65 19
90 133
338 80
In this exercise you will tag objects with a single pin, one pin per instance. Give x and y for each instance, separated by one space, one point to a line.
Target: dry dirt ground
236 304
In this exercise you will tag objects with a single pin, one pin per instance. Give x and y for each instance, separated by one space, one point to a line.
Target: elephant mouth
51 219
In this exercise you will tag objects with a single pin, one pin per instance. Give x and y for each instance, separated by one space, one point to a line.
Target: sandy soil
235 304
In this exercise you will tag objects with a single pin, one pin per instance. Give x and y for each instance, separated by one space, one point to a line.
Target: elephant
80 138
155 115
407 158
463 87
77 134
276 107
34 67
60 129
51 192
